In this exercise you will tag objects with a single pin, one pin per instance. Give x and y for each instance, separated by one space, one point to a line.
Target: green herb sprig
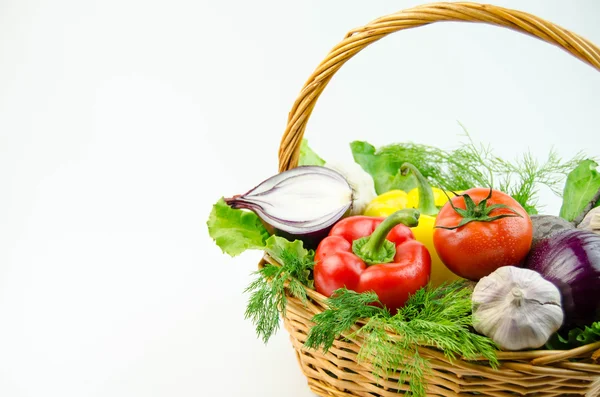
236 231
522 177
440 318
470 165
267 291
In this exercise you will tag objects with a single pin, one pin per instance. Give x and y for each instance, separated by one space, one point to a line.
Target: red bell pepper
364 253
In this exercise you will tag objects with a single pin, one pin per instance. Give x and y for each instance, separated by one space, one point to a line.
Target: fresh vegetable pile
445 248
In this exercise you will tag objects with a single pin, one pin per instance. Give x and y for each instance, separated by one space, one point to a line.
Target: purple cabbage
571 260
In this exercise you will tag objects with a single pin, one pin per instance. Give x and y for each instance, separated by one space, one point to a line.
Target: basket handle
357 39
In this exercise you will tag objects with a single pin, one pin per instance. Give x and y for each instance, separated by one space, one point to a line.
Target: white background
121 122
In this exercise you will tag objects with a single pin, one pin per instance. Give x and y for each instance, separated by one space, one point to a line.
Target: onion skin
570 260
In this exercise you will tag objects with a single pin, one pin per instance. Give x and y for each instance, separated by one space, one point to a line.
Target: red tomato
477 248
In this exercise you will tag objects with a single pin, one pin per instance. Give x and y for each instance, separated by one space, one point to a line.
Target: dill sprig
521 177
440 318
267 291
470 165
346 307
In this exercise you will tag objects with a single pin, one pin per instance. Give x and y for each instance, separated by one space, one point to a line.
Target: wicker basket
338 373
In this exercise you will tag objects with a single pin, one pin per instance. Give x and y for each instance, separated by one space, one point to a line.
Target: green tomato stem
426 197
479 212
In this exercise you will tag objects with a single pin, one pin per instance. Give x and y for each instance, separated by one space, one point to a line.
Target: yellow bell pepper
426 199
387 203
439 197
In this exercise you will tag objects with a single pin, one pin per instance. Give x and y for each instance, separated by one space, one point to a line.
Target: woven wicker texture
338 373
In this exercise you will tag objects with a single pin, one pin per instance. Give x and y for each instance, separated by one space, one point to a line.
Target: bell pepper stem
426 198
374 250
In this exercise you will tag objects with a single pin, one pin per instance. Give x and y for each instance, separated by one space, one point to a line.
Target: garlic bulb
362 184
591 221
517 308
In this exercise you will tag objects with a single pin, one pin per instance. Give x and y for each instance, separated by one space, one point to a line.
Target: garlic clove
591 221
517 308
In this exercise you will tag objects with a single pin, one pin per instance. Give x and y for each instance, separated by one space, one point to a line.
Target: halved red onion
304 201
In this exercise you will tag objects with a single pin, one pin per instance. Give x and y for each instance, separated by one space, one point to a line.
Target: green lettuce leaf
308 156
582 183
384 167
234 230
279 247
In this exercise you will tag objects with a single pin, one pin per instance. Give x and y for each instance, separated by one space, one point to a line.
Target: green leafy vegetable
235 231
267 291
581 186
308 156
575 337
384 166
435 317
470 165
